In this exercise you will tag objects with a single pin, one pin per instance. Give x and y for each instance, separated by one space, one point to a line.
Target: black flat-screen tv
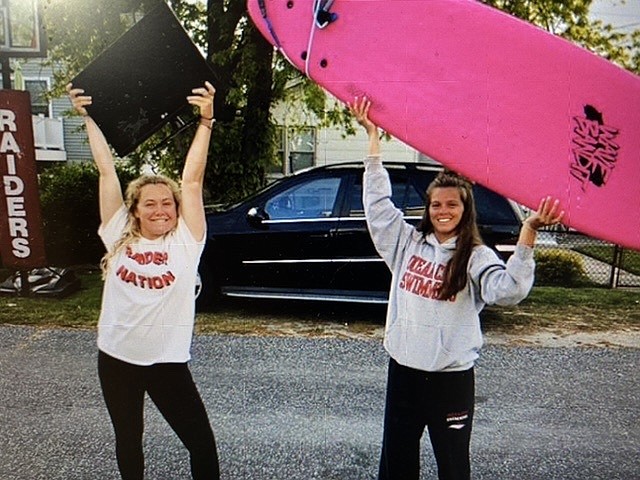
141 81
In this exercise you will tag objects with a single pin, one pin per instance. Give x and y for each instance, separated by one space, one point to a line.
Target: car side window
492 208
313 199
414 203
403 195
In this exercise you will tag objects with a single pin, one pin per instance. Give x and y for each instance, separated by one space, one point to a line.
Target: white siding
75 140
333 146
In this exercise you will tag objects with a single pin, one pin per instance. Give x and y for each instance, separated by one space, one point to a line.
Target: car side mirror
257 215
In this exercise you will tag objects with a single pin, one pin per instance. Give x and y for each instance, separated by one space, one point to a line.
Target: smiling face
445 212
156 211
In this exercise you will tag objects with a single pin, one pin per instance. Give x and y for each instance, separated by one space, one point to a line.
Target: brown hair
455 274
132 197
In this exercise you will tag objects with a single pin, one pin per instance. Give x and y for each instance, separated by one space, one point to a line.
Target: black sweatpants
171 388
444 403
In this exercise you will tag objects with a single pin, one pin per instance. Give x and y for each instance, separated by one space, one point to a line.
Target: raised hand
79 100
548 213
360 110
203 99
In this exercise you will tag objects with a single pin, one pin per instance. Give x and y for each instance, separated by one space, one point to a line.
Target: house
304 143
57 137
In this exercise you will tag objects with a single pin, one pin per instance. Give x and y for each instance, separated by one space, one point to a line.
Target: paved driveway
302 409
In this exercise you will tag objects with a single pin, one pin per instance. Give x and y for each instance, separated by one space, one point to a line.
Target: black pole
6 72
615 266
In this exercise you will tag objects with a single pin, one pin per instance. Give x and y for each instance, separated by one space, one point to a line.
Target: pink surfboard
499 100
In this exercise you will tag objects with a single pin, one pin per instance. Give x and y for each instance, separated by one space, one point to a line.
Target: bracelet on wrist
207 122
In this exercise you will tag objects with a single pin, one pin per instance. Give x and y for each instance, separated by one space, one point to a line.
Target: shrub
70 213
557 267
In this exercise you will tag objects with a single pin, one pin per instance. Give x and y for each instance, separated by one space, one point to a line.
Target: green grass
592 309
595 297
604 253
80 309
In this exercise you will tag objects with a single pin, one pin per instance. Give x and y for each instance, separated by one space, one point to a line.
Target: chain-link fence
604 263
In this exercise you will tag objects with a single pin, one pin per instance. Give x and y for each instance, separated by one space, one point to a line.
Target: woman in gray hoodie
442 277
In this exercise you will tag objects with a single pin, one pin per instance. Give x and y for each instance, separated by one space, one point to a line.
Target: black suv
305 236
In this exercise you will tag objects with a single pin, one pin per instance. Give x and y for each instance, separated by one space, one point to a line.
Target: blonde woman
154 238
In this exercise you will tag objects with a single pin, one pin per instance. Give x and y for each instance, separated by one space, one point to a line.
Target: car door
288 248
362 270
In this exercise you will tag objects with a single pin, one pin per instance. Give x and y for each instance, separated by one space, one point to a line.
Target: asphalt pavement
302 409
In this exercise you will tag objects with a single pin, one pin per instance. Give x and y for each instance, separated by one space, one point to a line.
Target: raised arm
360 110
110 191
385 221
192 206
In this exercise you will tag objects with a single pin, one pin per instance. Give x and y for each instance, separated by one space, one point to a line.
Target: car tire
209 295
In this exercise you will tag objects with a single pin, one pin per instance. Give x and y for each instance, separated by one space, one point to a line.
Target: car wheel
207 289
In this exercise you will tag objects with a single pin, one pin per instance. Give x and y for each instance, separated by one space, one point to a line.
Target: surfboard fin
323 16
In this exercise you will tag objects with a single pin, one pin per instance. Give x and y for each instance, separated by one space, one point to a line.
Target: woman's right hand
78 100
360 110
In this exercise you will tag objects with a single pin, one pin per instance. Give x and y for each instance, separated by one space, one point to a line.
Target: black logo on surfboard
594 149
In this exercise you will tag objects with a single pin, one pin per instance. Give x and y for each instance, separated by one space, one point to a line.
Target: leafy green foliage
247 84
77 31
70 214
559 267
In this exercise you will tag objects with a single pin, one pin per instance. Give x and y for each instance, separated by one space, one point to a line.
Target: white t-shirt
148 302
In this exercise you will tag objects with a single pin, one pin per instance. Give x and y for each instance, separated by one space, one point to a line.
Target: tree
242 59
570 19
253 77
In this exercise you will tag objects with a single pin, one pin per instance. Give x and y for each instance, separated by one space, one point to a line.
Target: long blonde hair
132 229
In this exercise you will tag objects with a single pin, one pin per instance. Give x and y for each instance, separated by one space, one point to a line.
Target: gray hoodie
421 331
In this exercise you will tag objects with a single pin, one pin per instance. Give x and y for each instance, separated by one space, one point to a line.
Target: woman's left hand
203 99
548 213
